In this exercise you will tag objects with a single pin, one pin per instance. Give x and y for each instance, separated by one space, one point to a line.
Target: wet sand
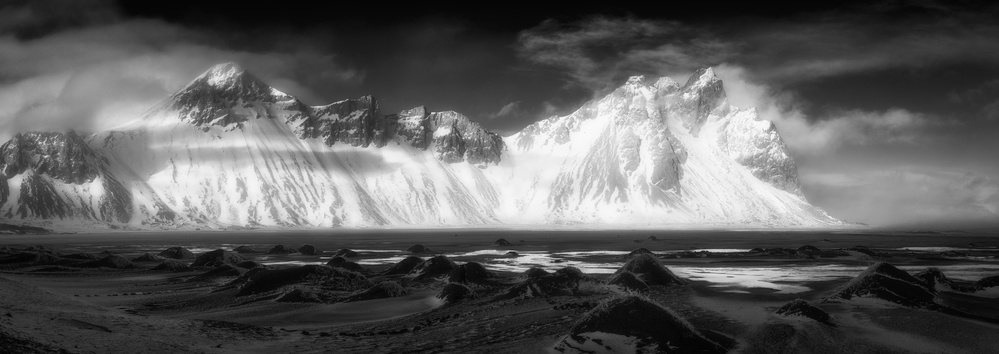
731 292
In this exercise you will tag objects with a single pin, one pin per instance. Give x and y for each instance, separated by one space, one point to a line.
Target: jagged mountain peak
702 78
636 80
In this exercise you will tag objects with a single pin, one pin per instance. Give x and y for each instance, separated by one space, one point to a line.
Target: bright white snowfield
228 150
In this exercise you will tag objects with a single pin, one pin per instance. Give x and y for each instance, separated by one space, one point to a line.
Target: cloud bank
94 69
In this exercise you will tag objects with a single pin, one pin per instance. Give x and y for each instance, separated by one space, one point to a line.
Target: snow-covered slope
230 150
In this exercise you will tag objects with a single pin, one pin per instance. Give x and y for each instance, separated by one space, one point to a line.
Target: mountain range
228 150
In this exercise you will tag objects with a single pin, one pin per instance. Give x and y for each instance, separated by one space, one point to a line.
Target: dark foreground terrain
500 292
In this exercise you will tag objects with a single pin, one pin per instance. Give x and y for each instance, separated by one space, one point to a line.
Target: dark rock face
707 93
455 138
217 258
385 289
404 266
434 267
309 250
629 281
338 278
418 248
884 281
652 272
45 159
800 307
632 316
502 242
470 272
177 253
454 292
357 122
112 261
173 265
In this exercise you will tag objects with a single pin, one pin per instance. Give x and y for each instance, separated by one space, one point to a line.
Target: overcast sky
891 108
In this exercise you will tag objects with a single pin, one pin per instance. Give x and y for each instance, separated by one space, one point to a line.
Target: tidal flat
506 291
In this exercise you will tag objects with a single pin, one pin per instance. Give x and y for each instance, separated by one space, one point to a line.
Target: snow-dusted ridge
229 150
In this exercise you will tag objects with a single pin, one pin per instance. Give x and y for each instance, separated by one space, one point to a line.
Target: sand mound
404 266
147 257
418 248
112 261
245 249
280 249
650 271
502 242
341 262
326 277
217 258
639 251
809 250
884 281
299 295
866 251
935 279
634 324
385 289
347 253
454 292
309 250
432 268
249 265
55 269
534 273
470 272
987 282
800 307
173 265
628 280
563 282
36 258
177 253
81 256
222 271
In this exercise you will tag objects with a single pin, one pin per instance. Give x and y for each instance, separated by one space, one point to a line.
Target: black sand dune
177 253
649 326
217 258
404 266
803 308
650 270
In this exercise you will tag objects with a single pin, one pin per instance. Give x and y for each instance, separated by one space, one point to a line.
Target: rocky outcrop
58 176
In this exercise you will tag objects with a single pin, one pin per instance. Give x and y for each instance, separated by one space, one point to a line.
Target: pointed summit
217 91
701 78
222 73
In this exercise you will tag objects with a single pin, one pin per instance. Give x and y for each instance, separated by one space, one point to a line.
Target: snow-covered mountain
229 150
